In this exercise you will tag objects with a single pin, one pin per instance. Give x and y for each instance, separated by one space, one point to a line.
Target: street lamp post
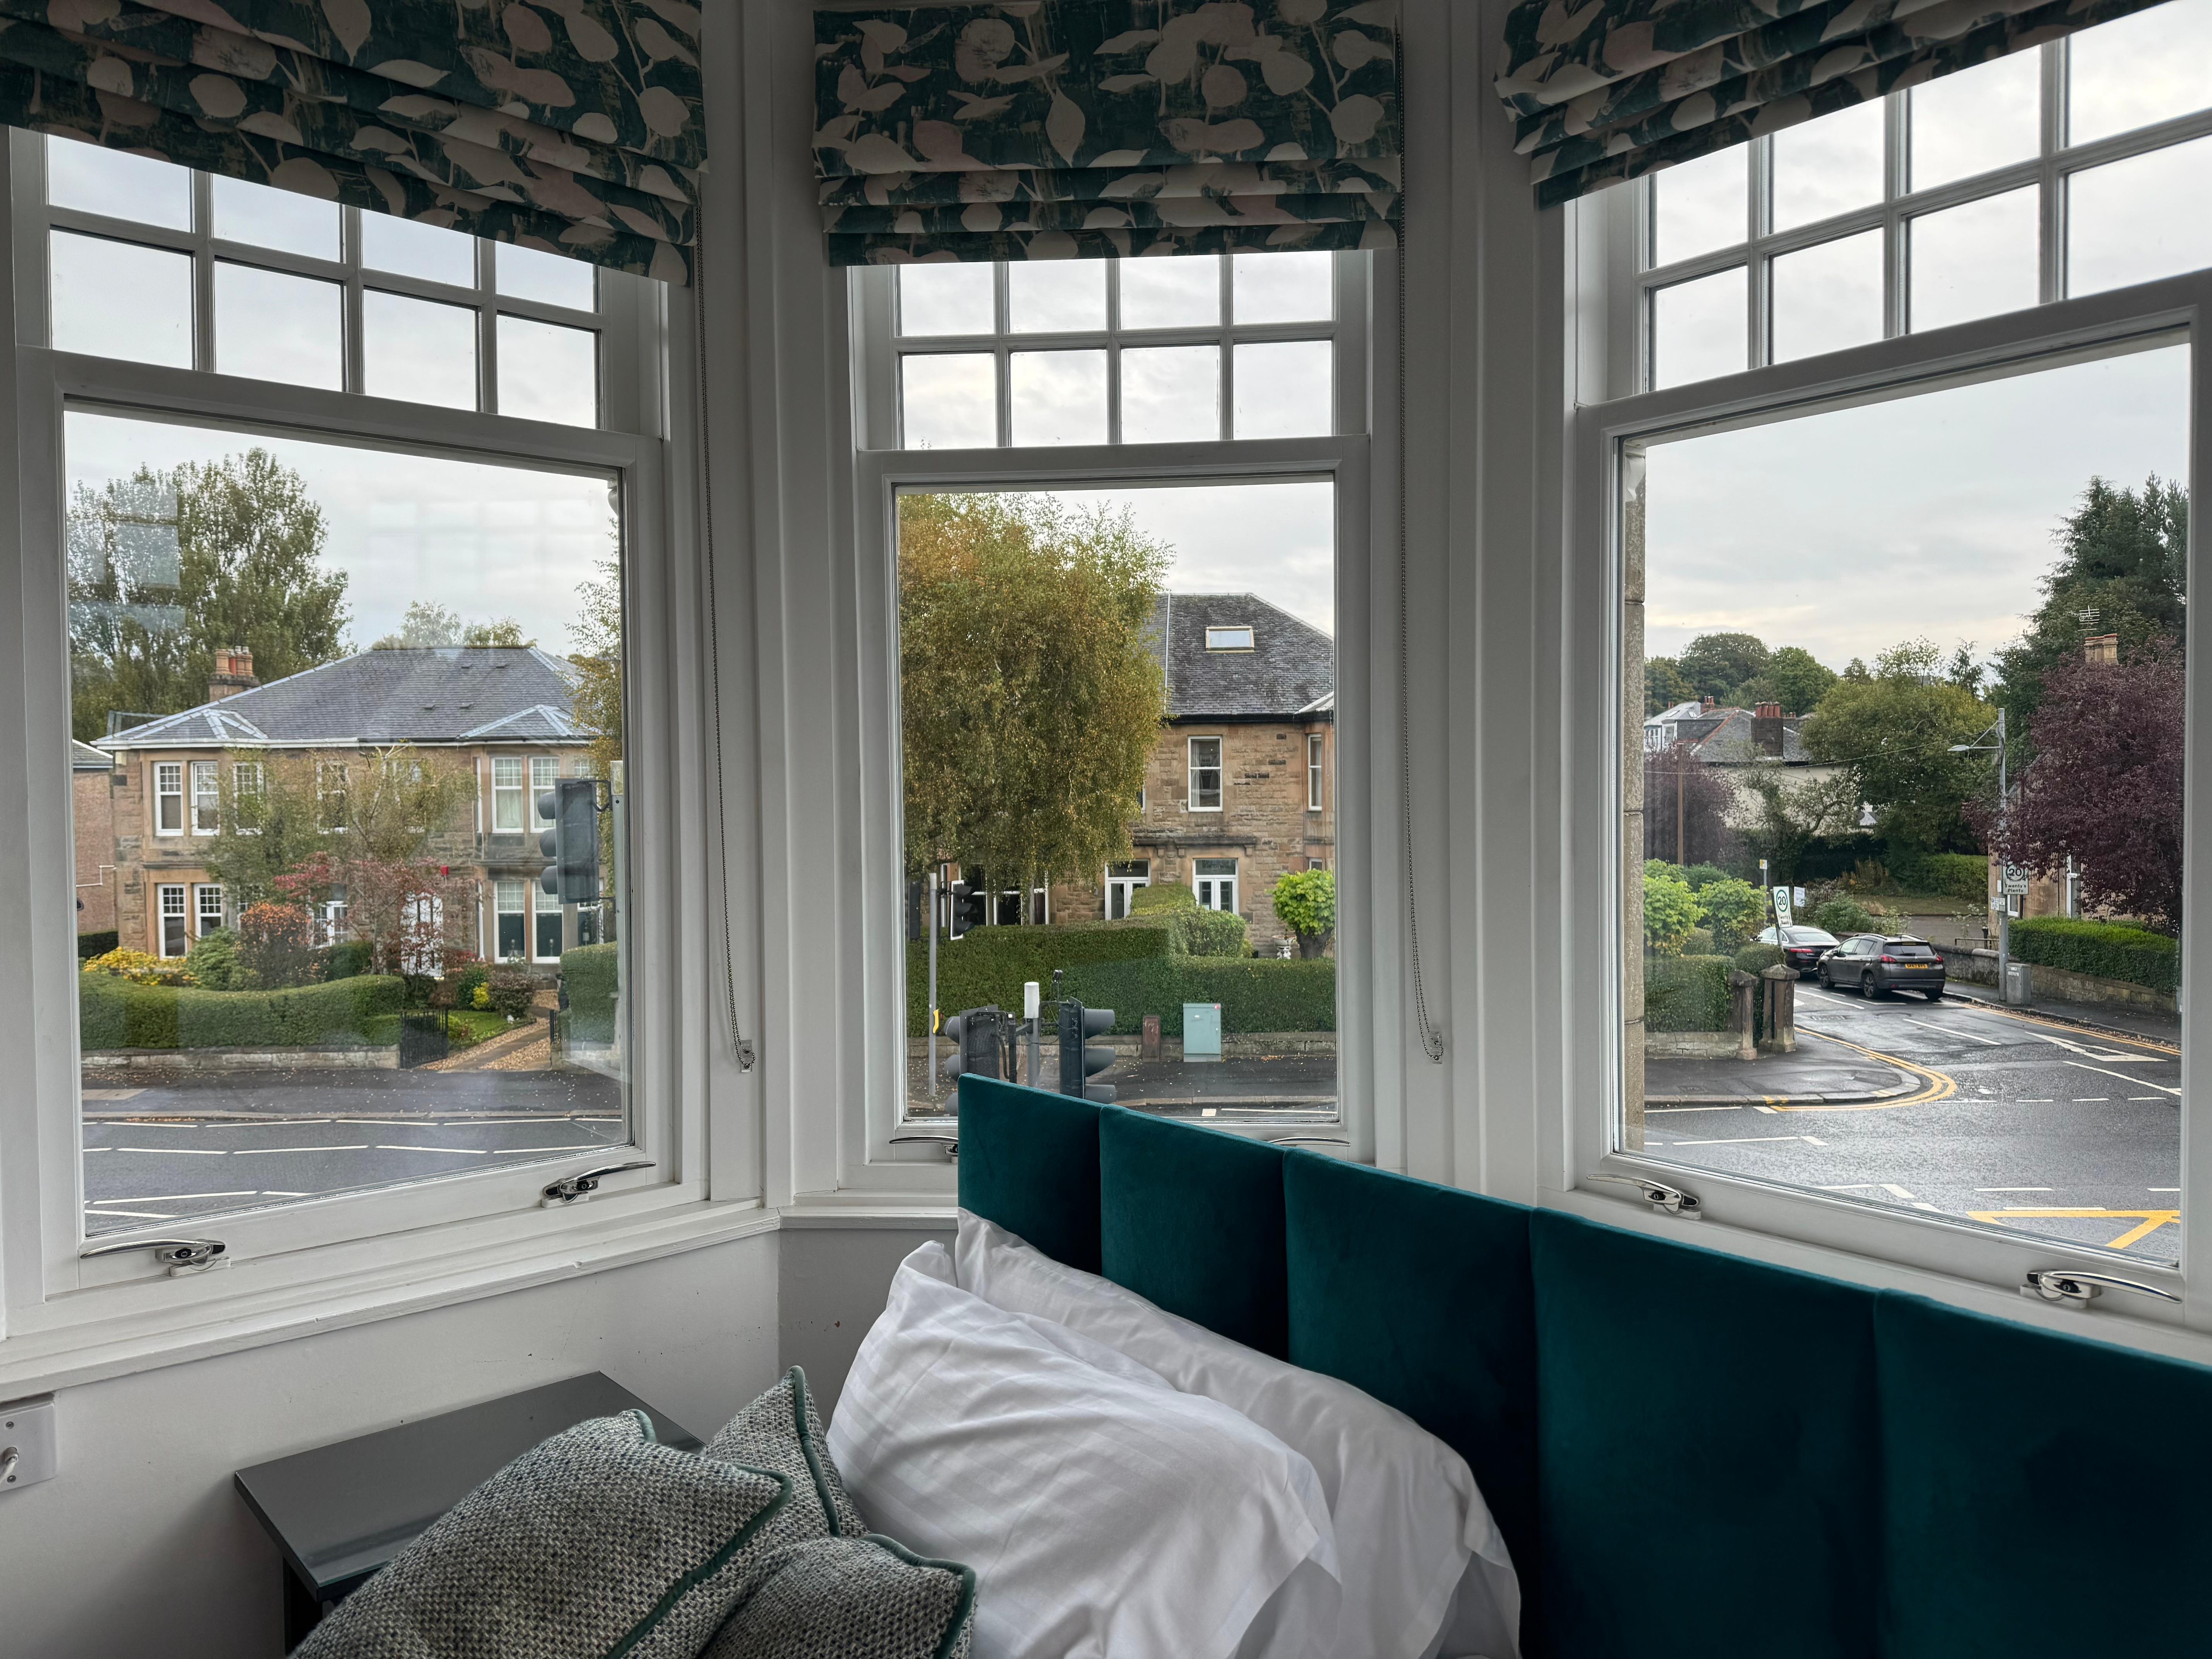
2004 899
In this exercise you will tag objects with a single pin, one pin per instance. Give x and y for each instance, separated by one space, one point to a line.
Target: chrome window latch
2074 1288
180 1256
1307 1140
569 1189
1658 1194
950 1144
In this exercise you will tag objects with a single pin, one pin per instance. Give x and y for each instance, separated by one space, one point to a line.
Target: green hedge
115 1013
1953 875
2108 949
990 964
89 945
1686 994
591 975
1758 958
1257 994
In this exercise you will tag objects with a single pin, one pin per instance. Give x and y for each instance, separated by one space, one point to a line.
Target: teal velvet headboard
1689 1453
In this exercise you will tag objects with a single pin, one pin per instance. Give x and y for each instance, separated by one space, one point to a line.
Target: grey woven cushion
780 1431
594 1543
852 1598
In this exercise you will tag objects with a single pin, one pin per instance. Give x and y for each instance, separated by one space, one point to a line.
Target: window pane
276 327
949 401
418 349
1283 287
1828 166
1979 119
549 372
1045 295
2150 67
1827 297
1171 292
2137 220
1974 261
122 186
1698 329
1701 205
529 273
950 299
412 248
1036 616
365 862
281 219
2016 548
1171 394
1059 398
1286 390
115 300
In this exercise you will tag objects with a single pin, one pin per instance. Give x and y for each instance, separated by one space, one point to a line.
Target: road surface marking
263 1151
1921 1204
1653 1111
2146 1097
174 1152
2089 1100
473 1151
571 1147
115 1215
1852 1187
2148 1221
2144 1081
1941 1086
1768 1106
2035 1100
170 1198
1893 1189
1992 1009
1738 1140
99 1149
1948 1032
2015 1190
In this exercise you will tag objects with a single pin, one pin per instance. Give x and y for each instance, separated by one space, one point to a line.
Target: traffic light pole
933 982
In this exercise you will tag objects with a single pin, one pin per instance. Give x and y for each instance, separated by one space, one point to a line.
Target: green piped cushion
1452 1345
595 1543
2047 1496
1708 1452
853 1598
781 1431
1191 1219
1029 1161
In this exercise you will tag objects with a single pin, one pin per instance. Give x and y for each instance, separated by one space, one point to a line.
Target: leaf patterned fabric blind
1066 129
1617 88
568 125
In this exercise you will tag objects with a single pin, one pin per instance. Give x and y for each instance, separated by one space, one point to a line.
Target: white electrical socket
27 1452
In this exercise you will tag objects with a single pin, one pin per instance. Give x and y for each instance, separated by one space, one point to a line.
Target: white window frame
541 906
505 888
1941 1253
1227 884
1219 768
71 1317
168 786
164 893
202 892
206 797
506 795
544 775
247 780
1124 887
1316 765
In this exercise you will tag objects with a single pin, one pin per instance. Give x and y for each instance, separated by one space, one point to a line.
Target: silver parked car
1875 964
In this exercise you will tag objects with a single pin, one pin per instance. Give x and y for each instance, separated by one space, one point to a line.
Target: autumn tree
166 567
1032 693
1893 732
1686 804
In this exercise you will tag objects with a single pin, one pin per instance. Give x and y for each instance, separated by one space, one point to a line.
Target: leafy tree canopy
429 624
1665 684
1686 805
1798 679
1716 664
1894 731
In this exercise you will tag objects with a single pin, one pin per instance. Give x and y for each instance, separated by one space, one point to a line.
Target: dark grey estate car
1875 964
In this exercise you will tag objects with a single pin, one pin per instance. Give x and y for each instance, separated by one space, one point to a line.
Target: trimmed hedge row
1686 994
990 964
1954 875
2108 949
591 975
116 1013
1257 994
89 945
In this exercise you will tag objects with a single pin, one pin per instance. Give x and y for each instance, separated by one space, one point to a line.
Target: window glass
280 219
947 299
2022 559
2149 67
548 371
1701 205
418 349
1827 297
1974 261
408 247
1183 292
949 400
2134 221
1987 117
1056 295
1170 393
271 326
1698 329
1827 167
1058 397
507 803
1283 287
122 186
325 894
1285 389
528 273
118 300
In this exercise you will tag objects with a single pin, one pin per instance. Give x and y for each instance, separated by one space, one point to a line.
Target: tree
1797 679
597 656
1716 664
1670 908
1032 694
1735 910
1665 684
1686 808
1305 902
2105 785
1794 810
1894 733
427 624
166 568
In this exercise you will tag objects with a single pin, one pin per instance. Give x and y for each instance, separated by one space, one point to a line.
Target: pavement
1819 1072
1294 1087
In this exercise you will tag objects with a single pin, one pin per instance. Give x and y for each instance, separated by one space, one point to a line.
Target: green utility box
1202 1030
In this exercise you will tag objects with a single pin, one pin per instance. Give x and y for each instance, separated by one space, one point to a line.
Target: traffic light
977 1036
573 843
969 908
1079 1060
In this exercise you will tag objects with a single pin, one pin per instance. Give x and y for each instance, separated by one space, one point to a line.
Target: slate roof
1289 672
433 694
1722 737
84 757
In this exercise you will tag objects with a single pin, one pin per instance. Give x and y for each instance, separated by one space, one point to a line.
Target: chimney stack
1708 702
2101 648
1766 728
231 674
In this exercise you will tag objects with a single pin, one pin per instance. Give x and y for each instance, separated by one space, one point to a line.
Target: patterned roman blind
1066 129
568 125
1617 88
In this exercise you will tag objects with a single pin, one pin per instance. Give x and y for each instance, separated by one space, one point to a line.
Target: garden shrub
1205 932
118 1013
510 991
1162 895
277 943
1698 877
1697 942
214 963
591 974
466 981
1305 902
347 958
2107 949
1758 958
97 945
1842 917
139 968
1735 911
1948 875
990 964
1670 909
1686 994
1257 994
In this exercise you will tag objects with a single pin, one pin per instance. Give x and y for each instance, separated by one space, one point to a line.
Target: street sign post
1782 915
2014 881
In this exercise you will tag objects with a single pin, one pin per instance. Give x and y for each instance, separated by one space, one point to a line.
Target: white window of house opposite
169 798
173 939
207 909
1313 772
1903 617
507 806
207 798
1206 774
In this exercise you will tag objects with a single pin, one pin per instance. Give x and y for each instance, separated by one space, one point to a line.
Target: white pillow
1425 1566
1106 1516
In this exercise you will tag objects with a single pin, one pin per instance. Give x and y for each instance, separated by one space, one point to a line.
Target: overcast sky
1845 532
484 541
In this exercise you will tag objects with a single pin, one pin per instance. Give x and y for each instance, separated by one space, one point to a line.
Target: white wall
835 1280
141 1544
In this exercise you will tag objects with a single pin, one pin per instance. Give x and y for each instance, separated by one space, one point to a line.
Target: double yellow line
1939 1085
